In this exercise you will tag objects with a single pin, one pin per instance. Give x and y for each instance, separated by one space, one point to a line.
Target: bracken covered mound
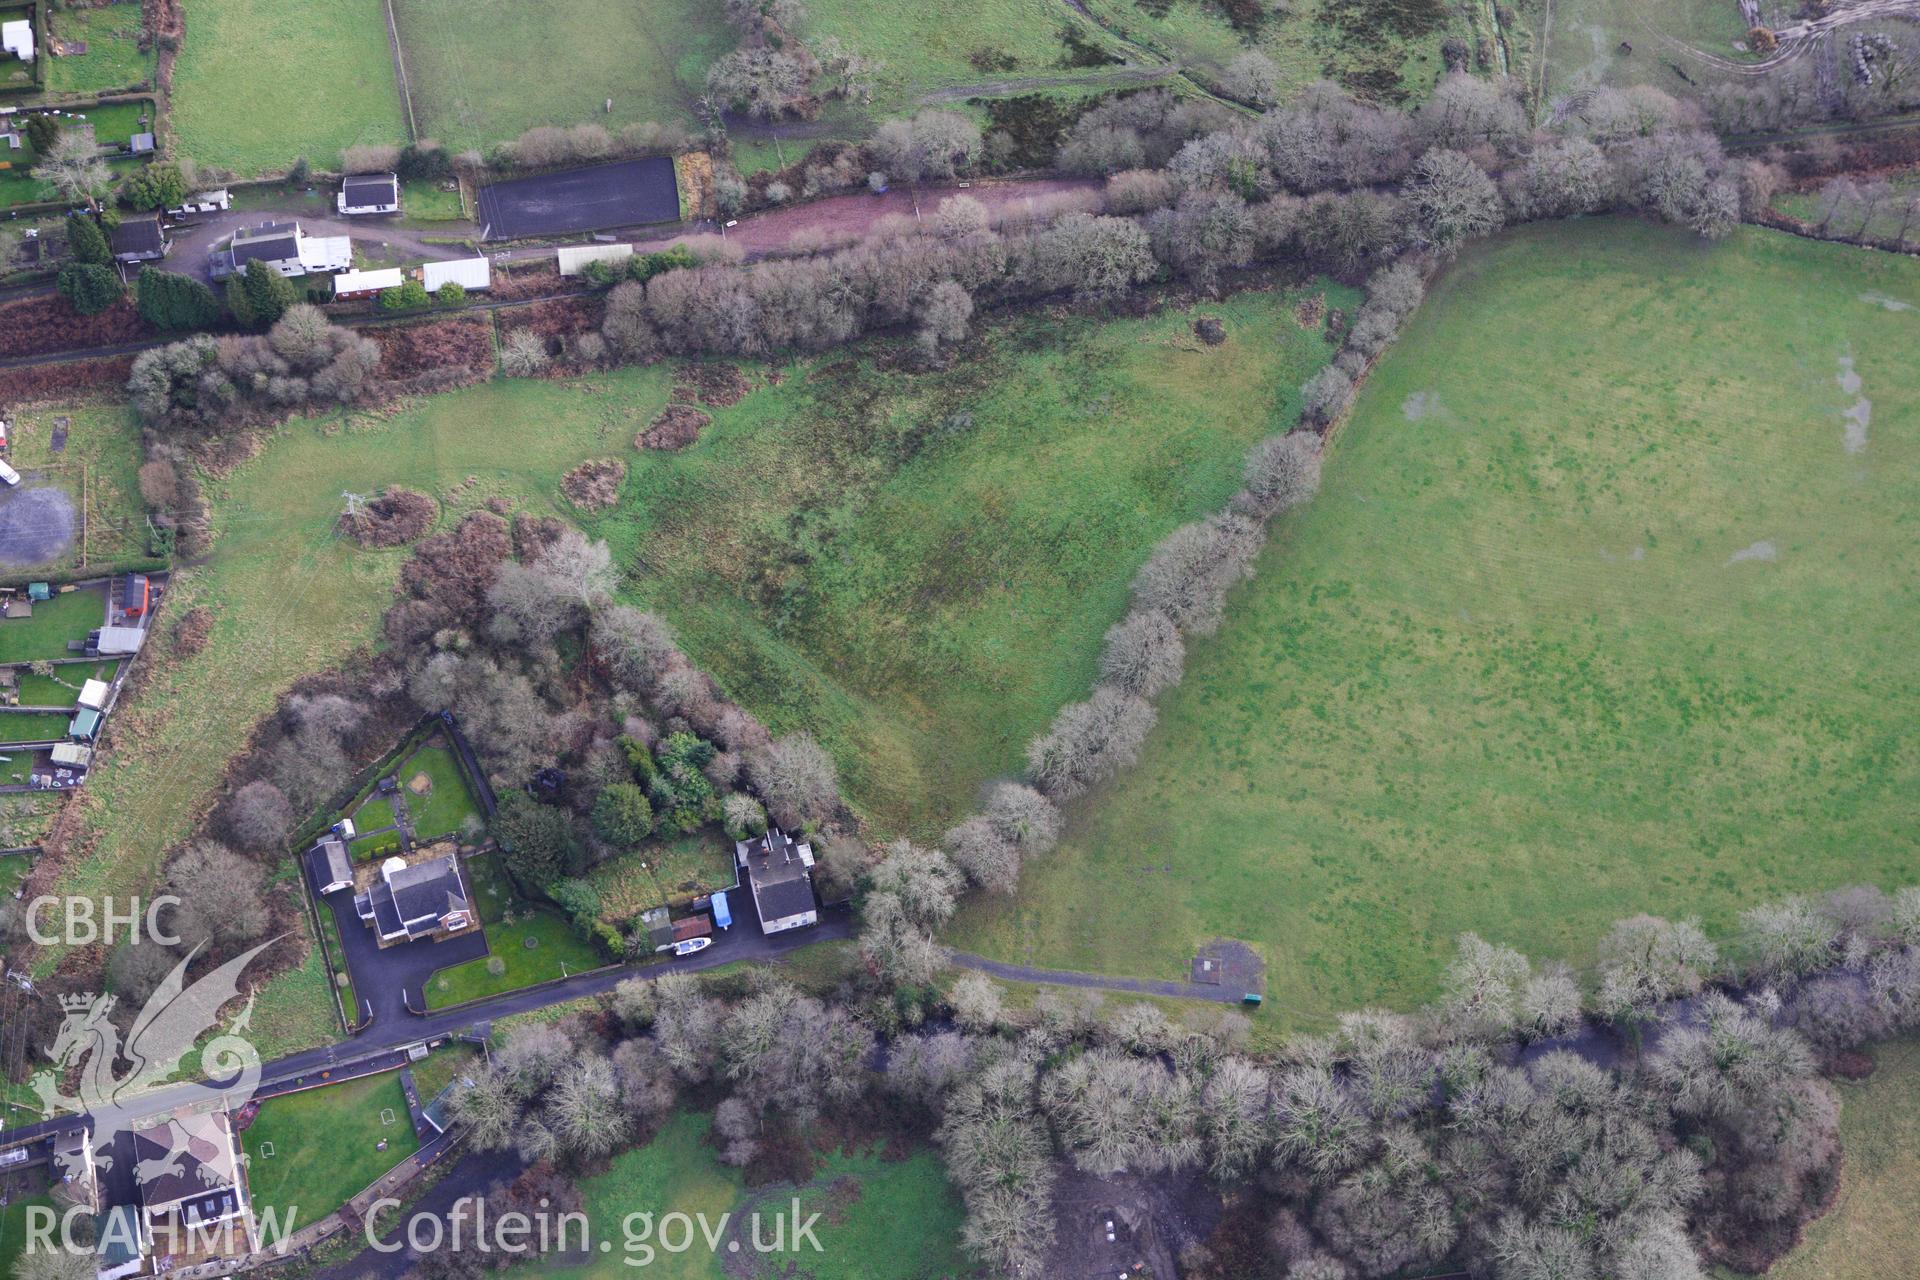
393 519
678 426
595 485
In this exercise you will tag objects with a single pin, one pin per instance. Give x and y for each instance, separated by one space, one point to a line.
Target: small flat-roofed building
367 284
116 642
779 874
140 144
140 240
71 755
324 255
85 725
475 275
93 693
362 193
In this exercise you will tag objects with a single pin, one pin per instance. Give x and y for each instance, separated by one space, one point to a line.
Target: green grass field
1595 614
1352 42
113 59
918 568
448 805
476 83
1873 1229
897 1219
536 942
326 1146
260 83
1584 47
70 615
1886 222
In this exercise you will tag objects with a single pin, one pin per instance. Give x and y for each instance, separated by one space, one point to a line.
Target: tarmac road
384 1039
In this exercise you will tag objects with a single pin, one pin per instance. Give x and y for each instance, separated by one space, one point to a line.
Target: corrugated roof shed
367 281
469 273
574 257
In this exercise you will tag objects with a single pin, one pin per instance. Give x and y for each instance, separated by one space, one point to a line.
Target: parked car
691 945
8 475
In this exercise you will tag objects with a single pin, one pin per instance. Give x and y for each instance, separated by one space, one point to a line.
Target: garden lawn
373 815
104 441
337 950
262 82
1873 1230
70 615
663 871
918 568
446 809
33 726
476 83
113 59
537 945
326 1147
1596 614
13 1227
443 1066
63 688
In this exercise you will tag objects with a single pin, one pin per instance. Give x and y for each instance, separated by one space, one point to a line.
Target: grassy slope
261 82
1501 676
326 1146
1873 1230
480 82
289 598
851 553
1584 46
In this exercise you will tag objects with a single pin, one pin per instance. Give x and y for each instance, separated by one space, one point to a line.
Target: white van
9 475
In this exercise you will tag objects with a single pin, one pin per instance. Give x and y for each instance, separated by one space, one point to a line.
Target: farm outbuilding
574 257
140 240
366 284
472 274
16 38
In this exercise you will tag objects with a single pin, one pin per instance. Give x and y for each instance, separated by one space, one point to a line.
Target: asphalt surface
603 195
383 1042
37 525
196 237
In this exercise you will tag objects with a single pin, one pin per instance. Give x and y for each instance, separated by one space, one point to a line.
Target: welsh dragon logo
172 1022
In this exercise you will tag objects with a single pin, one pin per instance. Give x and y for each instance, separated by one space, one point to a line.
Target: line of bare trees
1497 1130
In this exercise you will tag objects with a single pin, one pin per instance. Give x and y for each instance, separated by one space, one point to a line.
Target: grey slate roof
363 189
